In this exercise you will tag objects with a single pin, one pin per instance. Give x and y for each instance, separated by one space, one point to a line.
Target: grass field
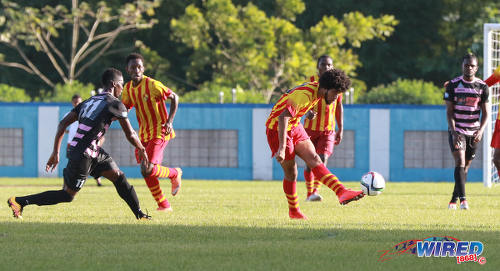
229 225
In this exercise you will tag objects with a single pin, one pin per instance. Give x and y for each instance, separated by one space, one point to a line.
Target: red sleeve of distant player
494 78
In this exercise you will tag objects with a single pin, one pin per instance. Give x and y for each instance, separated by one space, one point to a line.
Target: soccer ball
372 183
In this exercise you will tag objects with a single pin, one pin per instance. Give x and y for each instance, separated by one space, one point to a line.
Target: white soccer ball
372 183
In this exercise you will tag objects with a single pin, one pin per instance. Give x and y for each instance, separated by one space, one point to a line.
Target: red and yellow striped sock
308 177
327 178
290 190
154 186
163 172
316 185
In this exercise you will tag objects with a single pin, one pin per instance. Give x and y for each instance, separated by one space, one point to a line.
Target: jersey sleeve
118 110
160 91
448 93
486 94
297 101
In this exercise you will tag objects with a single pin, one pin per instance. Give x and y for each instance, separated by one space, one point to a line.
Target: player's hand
478 135
280 155
311 114
52 163
143 156
168 128
338 136
457 141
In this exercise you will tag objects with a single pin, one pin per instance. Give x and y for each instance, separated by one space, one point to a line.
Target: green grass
226 225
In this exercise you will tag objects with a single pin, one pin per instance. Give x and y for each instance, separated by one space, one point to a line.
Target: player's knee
314 161
291 174
66 196
146 170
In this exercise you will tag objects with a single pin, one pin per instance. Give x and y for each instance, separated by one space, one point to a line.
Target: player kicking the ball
320 126
85 156
286 136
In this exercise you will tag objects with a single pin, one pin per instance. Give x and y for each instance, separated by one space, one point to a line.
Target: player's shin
289 187
328 179
308 177
127 193
163 172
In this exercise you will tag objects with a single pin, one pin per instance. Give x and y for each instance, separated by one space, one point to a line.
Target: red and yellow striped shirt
325 117
148 98
297 101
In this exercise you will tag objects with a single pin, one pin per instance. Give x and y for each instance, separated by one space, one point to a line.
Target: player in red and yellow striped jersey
148 96
495 139
320 126
286 136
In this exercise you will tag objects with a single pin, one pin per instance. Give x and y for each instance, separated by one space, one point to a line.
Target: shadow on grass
147 246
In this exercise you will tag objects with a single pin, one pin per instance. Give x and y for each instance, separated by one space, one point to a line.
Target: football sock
45 198
154 186
289 188
308 177
127 193
317 184
160 171
459 189
328 179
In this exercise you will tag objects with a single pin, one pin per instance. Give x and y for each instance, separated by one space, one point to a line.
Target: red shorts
294 136
154 149
323 141
495 139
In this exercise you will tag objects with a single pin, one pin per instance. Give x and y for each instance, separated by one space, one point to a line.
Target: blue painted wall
239 117
24 116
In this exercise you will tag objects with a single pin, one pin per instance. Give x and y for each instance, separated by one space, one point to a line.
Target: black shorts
468 142
77 170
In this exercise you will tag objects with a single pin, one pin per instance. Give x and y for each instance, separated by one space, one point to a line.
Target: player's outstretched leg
17 204
326 177
289 188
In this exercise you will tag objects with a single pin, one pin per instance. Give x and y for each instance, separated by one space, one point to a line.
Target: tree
64 92
404 91
13 94
93 31
244 46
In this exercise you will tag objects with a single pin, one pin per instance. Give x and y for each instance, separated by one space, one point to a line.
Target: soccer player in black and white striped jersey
467 112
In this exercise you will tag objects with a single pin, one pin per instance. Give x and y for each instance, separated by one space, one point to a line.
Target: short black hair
134 56
110 75
76 96
469 56
323 57
335 79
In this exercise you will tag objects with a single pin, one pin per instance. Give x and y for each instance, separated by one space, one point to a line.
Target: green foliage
404 91
210 93
245 46
64 92
156 66
13 94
